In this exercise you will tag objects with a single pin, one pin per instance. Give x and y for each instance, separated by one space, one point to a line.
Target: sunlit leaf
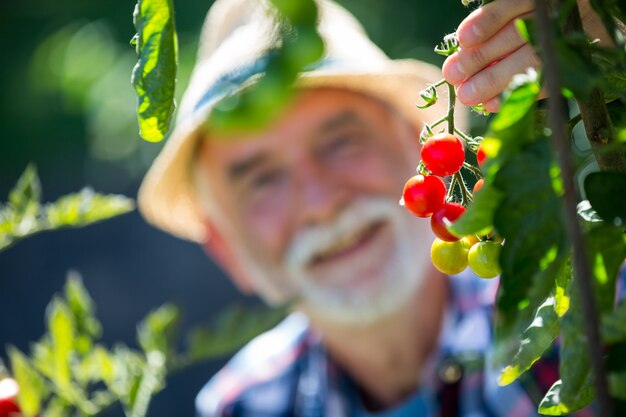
158 330
62 335
81 306
33 390
536 339
478 218
154 76
85 207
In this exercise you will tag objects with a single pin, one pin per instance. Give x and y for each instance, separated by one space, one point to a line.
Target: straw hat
234 43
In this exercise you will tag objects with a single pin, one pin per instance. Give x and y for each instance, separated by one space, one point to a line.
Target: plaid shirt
287 372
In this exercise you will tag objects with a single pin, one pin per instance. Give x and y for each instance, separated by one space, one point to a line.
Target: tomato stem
451 104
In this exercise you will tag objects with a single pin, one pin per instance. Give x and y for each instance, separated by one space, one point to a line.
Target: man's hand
492 50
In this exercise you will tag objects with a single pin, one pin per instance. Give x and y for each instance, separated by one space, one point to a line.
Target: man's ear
220 251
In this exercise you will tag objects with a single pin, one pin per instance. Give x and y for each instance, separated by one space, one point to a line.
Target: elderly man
306 211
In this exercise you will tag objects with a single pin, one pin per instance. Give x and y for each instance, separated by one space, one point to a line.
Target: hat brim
167 198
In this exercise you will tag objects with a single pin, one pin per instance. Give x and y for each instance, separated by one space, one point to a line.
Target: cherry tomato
479 184
481 155
448 212
483 259
423 195
443 154
449 257
8 397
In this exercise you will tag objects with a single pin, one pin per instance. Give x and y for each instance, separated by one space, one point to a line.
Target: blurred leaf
578 74
158 331
81 306
536 339
606 192
154 76
617 383
255 104
85 207
56 407
33 390
62 336
23 215
234 327
152 381
614 325
25 196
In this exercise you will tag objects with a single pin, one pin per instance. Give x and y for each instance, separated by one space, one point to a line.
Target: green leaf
62 336
537 338
24 198
85 207
578 74
478 218
152 381
235 327
614 325
82 308
33 390
529 218
154 76
606 191
550 404
617 384
158 330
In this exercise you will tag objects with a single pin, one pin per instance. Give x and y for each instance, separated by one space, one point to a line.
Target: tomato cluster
425 195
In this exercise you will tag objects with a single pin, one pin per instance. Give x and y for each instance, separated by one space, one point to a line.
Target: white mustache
319 239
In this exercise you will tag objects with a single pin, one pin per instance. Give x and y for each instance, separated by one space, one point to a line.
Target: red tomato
479 184
480 156
8 398
443 154
423 195
448 212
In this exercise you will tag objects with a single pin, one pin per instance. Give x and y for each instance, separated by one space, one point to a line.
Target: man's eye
342 144
266 179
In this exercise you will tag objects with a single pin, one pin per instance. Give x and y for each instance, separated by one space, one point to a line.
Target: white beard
401 276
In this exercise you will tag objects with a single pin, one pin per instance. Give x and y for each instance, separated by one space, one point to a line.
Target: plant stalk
561 145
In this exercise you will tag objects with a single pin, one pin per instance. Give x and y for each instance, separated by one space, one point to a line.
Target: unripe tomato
8 398
479 184
443 154
483 259
423 195
481 155
470 241
448 212
449 257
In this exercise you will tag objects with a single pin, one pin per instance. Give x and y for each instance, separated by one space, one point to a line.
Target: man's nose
321 195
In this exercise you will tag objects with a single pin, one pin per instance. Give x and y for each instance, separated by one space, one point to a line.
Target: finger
484 22
492 105
491 81
468 61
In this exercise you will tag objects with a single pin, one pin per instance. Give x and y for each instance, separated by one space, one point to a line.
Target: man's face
310 206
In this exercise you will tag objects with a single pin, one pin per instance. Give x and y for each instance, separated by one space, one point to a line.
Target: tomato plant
483 259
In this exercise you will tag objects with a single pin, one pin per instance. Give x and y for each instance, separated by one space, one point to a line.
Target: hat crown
237 33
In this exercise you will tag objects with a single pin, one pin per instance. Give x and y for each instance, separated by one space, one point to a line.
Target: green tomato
483 259
449 257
